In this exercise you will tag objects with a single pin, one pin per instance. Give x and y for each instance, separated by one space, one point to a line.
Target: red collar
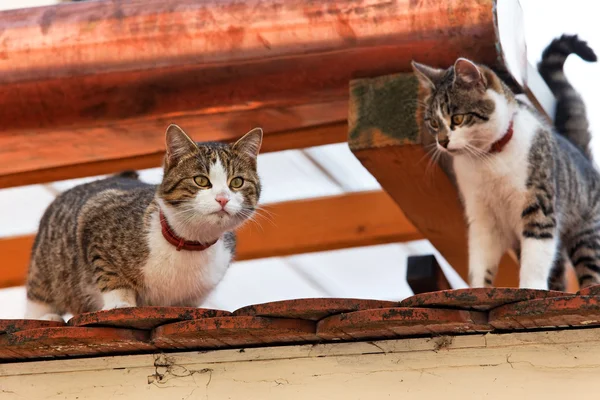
178 242
498 145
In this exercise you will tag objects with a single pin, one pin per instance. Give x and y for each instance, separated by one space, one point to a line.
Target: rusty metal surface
233 332
548 313
476 298
145 318
391 323
311 309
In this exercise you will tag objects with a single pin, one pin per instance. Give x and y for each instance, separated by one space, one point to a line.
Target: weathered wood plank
285 229
491 366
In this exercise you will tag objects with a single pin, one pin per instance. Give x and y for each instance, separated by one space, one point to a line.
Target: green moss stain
386 104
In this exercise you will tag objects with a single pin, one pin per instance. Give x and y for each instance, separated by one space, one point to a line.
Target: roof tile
296 321
548 313
482 299
233 332
74 341
590 291
15 325
311 309
397 322
146 318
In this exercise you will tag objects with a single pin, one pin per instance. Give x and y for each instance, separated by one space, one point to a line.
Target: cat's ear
427 76
178 144
467 73
250 143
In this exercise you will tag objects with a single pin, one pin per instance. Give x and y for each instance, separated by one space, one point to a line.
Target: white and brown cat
119 242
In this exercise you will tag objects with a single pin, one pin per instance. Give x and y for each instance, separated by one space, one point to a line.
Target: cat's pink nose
222 200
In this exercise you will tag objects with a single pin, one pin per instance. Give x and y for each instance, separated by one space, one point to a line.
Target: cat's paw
52 317
120 304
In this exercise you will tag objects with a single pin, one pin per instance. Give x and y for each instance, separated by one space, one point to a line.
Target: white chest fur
183 277
494 188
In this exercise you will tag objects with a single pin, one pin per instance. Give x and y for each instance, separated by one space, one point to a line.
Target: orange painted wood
430 201
286 228
74 341
294 231
388 323
548 313
233 332
146 318
80 152
89 83
482 299
16 252
311 309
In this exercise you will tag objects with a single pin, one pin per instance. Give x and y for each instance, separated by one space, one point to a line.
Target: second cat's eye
202 181
458 119
236 183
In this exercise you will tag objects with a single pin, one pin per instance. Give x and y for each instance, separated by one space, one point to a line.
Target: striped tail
571 117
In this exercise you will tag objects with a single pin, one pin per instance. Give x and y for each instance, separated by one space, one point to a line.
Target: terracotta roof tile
75 341
15 325
311 309
152 329
548 313
233 332
146 318
397 322
476 299
590 291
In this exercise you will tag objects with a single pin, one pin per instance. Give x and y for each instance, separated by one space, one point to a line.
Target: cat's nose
222 200
444 143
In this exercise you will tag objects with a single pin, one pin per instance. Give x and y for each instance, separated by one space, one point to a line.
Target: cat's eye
236 183
458 119
433 124
202 181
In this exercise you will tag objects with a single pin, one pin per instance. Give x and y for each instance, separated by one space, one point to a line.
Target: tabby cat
523 186
119 242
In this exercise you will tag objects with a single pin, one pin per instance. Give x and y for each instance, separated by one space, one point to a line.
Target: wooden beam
282 229
87 84
389 144
140 151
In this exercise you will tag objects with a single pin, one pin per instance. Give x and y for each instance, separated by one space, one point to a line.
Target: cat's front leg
539 241
118 298
486 247
537 260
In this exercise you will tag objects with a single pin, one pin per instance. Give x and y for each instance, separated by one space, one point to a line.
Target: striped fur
570 117
540 195
100 245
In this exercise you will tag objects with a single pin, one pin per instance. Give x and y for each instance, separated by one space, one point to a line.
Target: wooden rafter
139 151
89 87
285 229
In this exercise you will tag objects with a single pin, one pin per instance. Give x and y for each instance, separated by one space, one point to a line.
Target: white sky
346 273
